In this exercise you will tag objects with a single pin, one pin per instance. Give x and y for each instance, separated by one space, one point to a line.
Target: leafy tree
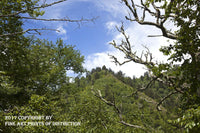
33 77
183 78
43 68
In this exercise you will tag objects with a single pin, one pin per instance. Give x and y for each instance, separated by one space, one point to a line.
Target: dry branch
126 48
160 19
27 31
118 111
164 98
145 58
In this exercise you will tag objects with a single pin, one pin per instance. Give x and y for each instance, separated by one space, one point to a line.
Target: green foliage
137 109
184 77
41 68
190 120
33 80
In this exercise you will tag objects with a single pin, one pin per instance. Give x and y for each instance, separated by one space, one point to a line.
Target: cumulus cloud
100 59
137 33
138 37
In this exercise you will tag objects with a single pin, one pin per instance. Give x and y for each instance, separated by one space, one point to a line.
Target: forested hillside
38 94
76 101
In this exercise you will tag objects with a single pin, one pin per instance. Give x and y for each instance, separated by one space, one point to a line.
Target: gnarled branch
126 48
160 19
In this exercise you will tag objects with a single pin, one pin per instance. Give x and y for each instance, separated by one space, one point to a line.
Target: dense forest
75 101
37 95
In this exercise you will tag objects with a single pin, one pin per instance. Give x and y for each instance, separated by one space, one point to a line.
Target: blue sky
92 39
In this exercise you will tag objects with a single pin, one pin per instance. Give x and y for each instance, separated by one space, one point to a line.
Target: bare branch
168 80
16 15
155 35
160 19
130 125
126 48
164 98
99 95
157 12
28 30
144 88
117 62
62 19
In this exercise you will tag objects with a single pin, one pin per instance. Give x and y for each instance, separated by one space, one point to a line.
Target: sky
92 38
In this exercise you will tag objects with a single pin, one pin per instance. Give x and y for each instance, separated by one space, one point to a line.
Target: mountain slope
138 109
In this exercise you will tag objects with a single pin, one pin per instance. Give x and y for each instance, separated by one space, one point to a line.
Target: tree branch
144 88
160 19
16 15
126 48
62 19
33 8
99 95
22 32
164 98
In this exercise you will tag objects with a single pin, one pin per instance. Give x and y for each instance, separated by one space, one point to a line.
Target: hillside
137 109
102 101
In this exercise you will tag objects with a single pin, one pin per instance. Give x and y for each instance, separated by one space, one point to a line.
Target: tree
40 69
184 78
32 71
29 63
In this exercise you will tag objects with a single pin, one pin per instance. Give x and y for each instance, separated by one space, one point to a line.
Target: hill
112 104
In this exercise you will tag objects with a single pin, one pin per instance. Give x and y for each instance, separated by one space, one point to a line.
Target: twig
62 19
22 32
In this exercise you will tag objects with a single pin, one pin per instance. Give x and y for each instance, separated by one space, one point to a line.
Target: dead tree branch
160 19
118 111
145 87
164 98
126 48
62 19
27 31
145 59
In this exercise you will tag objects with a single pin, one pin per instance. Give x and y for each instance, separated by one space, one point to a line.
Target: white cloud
114 7
100 59
61 30
111 25
138 36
